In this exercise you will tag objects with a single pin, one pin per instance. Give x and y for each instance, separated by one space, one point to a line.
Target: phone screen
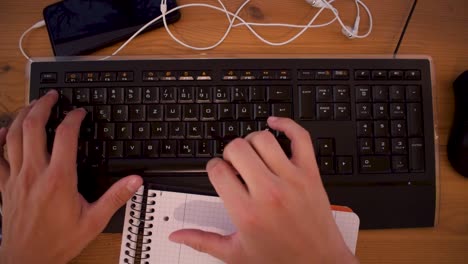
81 26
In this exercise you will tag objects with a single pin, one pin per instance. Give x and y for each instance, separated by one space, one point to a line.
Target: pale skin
282 213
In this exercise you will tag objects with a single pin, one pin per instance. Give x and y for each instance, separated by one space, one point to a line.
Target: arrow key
344 165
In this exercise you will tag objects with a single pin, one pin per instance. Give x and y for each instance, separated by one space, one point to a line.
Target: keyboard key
397 111
186 76
381 129
116 95
126 76
167 76
247 128
168 148
141 131
177 130
341 93
284 75
149 76
97 150
137 113
90 77
230 75
102 113
248 75
414 118
281 110
221 95
150 95
398 128
115 149
123 131
397 93
186 148
213 130
190 112
98 96
344 165
208 112
416 154
108 76
366 146
133 95
72 77
204 148
399 146
340 75
151 149
159 130
226 112
133 149
381 111
244 112
230 129
154 112
203 94
322 75
80 96
413 93
379 75
380 93
364 129
399 164
361 74
326 147
261 111
413 75
375 164
382 146
219 147
239 94
267 75
342 111
395 75
363 93
279 93
257 93
168 94
262 125
48 77
186 95
172 112
306 74
325 111
203 75
307 102
324 94
105 131
363 111
194 130
326 165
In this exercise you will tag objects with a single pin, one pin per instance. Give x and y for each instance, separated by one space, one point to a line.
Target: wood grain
437 29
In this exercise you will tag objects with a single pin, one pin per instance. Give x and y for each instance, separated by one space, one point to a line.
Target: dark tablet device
79 27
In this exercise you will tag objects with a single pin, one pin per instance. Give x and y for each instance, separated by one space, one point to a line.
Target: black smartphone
79 27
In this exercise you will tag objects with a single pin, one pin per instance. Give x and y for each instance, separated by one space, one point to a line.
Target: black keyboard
371 121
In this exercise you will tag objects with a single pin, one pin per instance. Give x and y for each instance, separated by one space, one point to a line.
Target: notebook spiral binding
142 213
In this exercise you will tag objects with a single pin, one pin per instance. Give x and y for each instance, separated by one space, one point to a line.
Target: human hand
282 213
45 219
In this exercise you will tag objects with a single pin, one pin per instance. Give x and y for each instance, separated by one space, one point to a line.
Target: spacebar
158 166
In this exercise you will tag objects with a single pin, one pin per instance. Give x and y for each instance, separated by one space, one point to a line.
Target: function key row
387 74
245 75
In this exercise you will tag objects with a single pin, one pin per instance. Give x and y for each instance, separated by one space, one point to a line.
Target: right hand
282 213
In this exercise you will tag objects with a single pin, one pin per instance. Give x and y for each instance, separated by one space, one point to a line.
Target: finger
247 162
65 147
218 246
34 133
228 186
301 144
4 167
118 194
266 145
14 139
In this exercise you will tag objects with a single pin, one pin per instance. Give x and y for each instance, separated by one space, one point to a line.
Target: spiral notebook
153 214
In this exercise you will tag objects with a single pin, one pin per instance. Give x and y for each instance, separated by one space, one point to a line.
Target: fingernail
272 119
212 163
134 184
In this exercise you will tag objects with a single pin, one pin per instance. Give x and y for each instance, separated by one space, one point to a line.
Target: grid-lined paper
175 211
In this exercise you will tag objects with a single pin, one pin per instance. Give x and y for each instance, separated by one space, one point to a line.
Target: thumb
214 244
118 194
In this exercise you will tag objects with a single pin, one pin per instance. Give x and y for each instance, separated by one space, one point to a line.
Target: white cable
37 25
232 17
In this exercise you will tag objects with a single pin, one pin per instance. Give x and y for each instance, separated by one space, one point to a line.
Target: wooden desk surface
437 29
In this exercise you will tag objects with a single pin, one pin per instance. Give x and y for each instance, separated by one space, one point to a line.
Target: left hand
45 218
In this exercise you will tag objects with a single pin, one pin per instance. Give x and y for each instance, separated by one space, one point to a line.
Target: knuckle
31 122
64 130
250 222
117 199
274 196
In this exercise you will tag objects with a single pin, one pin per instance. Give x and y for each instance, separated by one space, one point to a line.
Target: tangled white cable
350 32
